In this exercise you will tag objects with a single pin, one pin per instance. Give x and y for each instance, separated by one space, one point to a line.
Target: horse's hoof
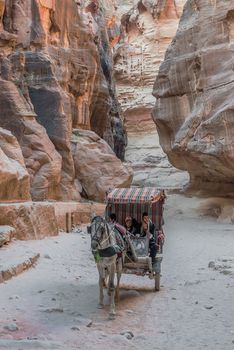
112 316
100 306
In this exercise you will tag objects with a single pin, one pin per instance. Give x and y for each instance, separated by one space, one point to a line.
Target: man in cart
147 229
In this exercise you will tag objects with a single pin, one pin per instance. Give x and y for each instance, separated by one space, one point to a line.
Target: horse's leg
109 282
119 267
112 290
101 294
106 279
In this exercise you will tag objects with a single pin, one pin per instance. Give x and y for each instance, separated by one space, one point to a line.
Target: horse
105 249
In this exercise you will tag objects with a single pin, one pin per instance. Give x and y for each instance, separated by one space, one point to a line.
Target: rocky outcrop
6 233
194 95
105 116
33 221
41 159
56 75
147 30
29 220
96 165
14 178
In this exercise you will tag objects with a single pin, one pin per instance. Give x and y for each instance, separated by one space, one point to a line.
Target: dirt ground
54 305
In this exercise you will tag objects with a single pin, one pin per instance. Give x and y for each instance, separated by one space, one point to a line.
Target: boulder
6 233
14 177
30 220
97 167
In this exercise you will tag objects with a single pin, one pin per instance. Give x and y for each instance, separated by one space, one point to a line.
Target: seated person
147 228
122 238
131 225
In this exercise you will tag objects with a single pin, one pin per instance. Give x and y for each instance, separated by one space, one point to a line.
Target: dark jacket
152 230
135 228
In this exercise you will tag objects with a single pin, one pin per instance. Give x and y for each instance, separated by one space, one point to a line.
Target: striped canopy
134 195
134 202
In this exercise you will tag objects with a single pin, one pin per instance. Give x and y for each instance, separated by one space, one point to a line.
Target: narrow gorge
103 94
79 81
147 29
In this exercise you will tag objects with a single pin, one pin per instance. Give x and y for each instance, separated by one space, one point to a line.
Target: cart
134 202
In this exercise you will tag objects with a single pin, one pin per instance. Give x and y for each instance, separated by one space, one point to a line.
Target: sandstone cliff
56 76
194 92
15 182
146 31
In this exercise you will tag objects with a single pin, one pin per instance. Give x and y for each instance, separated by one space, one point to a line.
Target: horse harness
106 252
100 220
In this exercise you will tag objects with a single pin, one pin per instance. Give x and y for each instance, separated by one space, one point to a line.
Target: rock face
194 92
96 165
147 30
41 159
56 75
29 220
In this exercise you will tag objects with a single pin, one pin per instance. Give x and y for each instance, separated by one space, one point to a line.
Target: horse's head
97 231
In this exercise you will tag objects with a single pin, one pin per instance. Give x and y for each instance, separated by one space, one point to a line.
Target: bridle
98 221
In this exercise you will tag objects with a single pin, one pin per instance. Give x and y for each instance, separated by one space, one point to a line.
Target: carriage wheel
157 282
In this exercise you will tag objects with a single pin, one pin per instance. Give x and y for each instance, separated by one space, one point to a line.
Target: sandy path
56 301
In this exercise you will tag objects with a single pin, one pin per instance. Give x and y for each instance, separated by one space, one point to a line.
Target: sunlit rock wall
194 109
56 75
146 32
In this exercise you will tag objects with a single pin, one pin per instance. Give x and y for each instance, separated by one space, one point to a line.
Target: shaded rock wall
147 30
102 18
55 75
194 92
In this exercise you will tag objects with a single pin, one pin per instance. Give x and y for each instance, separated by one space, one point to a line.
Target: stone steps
15 259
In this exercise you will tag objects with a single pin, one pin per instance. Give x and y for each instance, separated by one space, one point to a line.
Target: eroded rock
97 167
30 220
6 233
194 96
14 178
56 75
12 327
147 29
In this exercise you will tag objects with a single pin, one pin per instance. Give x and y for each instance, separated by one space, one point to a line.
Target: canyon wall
55 77
194 109
146 32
